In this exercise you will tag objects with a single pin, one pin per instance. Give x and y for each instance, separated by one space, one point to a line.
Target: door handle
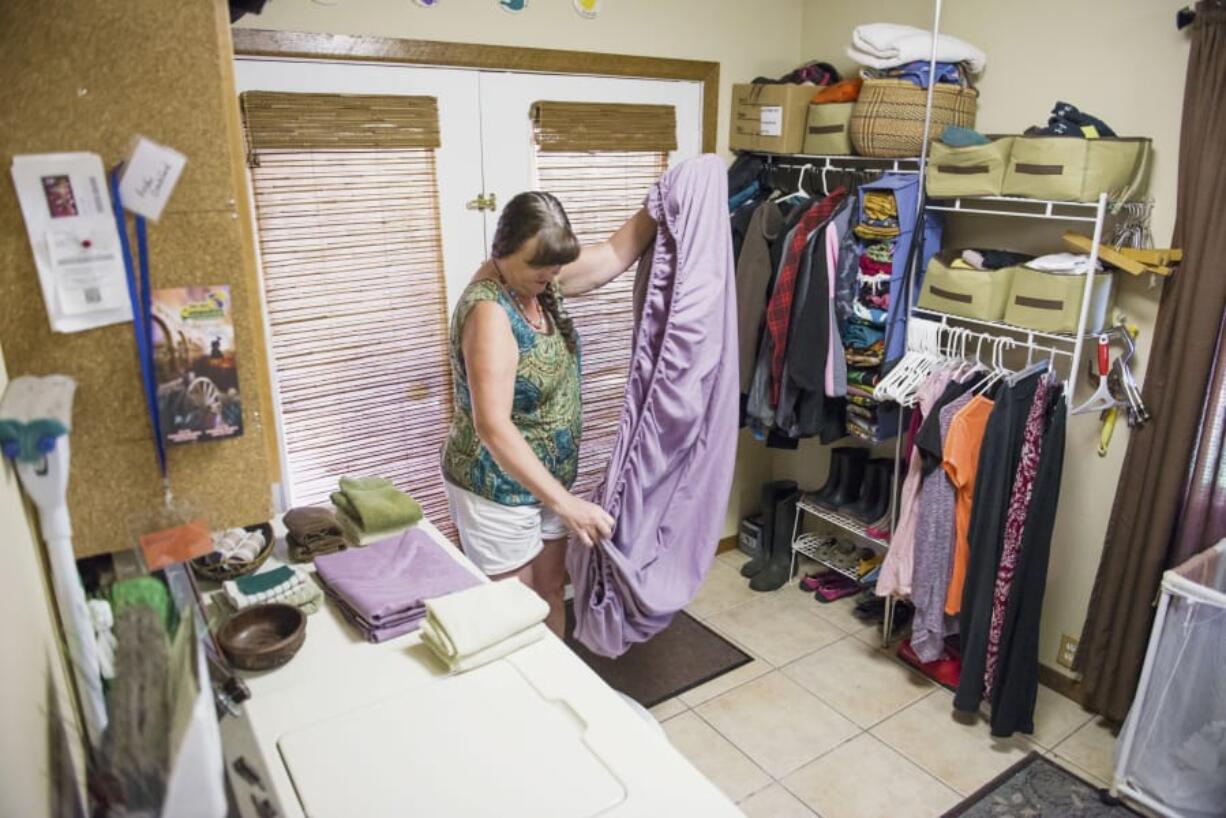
483 202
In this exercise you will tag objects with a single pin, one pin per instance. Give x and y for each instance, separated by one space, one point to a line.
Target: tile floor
825 723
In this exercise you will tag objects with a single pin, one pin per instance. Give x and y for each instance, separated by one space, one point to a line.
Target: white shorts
500 538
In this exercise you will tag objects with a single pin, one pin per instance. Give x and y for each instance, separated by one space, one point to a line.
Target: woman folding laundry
513 450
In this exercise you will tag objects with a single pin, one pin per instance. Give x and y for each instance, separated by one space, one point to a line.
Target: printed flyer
197 370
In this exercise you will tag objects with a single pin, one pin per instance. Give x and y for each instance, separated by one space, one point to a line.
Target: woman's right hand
588 521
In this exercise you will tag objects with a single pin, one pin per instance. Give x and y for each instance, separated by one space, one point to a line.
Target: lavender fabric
381 588
670 473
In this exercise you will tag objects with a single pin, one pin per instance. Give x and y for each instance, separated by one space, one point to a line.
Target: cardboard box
769 118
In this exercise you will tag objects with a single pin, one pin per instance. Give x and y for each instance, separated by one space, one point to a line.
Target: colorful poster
196 365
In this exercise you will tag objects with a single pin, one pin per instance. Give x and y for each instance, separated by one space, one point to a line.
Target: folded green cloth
355 535
375 505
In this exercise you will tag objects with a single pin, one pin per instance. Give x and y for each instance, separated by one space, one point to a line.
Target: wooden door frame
251 42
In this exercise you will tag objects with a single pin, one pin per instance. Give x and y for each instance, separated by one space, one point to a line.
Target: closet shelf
1018 207
998 326
848 524
807 544
835 162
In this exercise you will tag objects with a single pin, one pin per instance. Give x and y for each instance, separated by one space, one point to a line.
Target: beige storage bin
1071 169
952 290
1051 302
974 170
826 132
769 118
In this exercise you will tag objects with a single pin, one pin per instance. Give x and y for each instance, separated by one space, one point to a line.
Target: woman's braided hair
540 214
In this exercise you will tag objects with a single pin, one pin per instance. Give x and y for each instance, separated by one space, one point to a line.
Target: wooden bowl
263 637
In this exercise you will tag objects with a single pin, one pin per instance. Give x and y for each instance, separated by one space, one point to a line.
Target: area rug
682 656
1037 786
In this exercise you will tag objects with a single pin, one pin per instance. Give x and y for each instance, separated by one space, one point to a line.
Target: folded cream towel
478 625
888 45
353 534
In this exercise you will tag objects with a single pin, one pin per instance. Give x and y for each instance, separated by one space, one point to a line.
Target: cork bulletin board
89 76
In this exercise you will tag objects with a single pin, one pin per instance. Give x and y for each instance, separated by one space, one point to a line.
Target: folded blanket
478 625
311 532
886 45
375 504
382 589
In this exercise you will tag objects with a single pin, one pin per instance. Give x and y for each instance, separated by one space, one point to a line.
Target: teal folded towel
958 137
374 505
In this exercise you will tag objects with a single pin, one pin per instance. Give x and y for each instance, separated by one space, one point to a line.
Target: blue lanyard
140 295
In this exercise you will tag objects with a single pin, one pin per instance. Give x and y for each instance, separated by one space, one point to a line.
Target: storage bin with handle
1071 169
973 170
769 118
888 118
826 131
1051 302
967 293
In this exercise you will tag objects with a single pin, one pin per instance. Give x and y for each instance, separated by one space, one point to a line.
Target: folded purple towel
382 587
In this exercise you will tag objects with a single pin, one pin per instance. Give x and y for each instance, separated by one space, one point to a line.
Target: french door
335 417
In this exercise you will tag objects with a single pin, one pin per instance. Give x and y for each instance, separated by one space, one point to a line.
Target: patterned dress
546 407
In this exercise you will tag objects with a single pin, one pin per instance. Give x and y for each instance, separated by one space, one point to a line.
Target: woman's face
524 277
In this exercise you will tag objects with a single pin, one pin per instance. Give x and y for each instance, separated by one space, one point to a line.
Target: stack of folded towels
382 589
370 509
472 627
312 532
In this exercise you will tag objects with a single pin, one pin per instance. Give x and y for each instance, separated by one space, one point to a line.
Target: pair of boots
772 567
857 485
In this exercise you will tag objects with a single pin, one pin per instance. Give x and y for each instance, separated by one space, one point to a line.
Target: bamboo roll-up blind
604 126
278 120
600 191
351 252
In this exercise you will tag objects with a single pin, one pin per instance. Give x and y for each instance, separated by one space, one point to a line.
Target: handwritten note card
149 177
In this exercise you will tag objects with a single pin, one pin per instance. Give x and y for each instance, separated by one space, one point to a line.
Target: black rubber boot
883 485
778 569
837 458
851 480
771 493
868 494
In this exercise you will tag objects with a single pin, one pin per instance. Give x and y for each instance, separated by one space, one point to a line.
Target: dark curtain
1158 467
1203 520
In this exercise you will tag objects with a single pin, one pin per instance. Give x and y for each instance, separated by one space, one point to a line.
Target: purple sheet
670 473
381 588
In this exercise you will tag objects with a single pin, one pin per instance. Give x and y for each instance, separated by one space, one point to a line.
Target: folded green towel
353 535
375 505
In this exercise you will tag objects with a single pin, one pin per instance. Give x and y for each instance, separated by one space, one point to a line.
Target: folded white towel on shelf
888 45
1066 263
478 625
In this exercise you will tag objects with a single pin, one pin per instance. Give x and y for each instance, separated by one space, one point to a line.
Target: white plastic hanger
800 186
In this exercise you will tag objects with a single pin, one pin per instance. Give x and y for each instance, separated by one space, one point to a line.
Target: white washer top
353 728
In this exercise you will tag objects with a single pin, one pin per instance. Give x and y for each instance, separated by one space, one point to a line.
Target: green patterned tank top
546 407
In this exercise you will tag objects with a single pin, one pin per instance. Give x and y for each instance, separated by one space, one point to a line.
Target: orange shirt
961 462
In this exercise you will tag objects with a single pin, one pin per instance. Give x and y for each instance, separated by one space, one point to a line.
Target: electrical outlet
1068 650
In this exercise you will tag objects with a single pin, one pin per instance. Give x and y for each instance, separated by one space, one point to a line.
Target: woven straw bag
888 120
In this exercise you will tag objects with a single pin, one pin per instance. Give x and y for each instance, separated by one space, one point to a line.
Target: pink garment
670 471
896 569
1015 523
832 265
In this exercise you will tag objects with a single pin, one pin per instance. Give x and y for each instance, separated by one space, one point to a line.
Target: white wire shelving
841 521
1017 207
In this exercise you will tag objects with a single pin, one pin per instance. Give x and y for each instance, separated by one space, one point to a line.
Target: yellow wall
747 39
32 667
1122 61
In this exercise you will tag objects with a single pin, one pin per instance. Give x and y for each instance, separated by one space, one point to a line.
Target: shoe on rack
880 529
778 569
771 492
851 480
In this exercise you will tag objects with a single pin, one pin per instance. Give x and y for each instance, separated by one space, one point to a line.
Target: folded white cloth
888 45
1067 263
478 625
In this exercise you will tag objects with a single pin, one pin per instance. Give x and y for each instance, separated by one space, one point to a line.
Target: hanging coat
670 473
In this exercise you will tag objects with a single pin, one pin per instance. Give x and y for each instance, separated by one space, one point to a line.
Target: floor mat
1038 786
682 656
